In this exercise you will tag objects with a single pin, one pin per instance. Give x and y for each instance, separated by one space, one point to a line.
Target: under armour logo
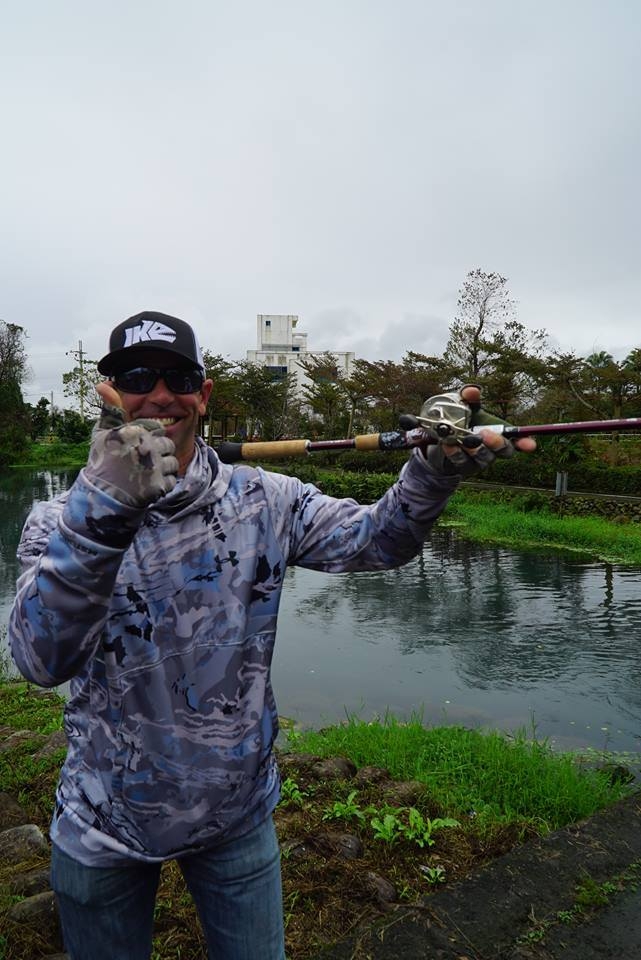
149 330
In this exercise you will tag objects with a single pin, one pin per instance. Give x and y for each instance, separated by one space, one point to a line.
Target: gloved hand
472 454
133 462
468 456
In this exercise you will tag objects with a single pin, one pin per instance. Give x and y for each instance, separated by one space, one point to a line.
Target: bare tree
483 305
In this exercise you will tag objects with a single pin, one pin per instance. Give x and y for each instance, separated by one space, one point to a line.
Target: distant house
280 346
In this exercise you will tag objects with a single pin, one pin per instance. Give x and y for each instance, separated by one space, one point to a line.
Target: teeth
163 421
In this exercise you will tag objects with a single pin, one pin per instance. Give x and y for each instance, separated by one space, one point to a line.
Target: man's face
177 412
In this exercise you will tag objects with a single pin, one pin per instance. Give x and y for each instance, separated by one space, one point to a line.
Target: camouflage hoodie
164 621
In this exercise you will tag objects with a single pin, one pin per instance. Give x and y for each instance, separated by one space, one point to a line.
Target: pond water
469 634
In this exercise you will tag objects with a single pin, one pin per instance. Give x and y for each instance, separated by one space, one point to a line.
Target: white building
280 346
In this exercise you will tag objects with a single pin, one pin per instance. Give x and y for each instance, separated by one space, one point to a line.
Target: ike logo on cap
148 330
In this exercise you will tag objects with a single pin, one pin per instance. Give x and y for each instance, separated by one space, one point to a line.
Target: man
153 585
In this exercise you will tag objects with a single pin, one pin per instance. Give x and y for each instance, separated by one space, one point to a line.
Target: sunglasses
144 379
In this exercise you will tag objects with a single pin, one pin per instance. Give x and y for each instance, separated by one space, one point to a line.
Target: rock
11 813
54 742
39 912
404 793
334 768
617 772
17 738
22 843
297 760
30 882
371 775
294 849
380 887
345 845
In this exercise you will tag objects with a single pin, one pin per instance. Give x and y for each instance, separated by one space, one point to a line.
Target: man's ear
205 393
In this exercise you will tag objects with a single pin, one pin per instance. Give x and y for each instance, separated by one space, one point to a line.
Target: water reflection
20 489
516 617
491 626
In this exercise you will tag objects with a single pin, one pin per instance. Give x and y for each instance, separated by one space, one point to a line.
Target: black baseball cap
146 331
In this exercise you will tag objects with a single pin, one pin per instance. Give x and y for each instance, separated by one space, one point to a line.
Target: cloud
349 163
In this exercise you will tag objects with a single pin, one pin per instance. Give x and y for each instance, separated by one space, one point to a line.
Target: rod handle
367 441
267 449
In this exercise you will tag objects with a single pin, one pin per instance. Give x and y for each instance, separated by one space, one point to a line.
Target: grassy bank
52 456
409 810
526 522
506 779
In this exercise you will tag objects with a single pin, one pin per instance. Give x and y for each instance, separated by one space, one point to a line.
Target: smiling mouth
164 421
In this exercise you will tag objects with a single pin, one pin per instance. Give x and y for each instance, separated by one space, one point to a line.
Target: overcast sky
347 161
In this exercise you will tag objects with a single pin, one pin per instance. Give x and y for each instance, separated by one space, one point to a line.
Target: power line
46 380
48 354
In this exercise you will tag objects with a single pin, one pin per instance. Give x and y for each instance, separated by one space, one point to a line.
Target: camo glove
133 462
464 458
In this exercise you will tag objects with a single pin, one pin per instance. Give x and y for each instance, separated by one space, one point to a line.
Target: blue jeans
107 914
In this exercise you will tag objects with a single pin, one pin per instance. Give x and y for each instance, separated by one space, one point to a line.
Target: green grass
490 776
485 520
31 781
25 707
55 455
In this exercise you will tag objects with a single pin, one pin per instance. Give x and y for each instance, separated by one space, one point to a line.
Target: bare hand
472 394
108 395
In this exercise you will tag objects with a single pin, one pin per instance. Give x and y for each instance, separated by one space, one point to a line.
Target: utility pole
79 356
83 388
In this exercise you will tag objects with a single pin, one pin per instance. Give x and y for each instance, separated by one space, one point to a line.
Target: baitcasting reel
446 414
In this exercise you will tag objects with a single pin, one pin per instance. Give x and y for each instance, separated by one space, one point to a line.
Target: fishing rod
442 417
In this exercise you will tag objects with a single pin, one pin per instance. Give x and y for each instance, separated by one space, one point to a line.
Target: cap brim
129 357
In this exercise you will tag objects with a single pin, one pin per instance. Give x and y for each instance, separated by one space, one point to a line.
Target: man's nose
160 393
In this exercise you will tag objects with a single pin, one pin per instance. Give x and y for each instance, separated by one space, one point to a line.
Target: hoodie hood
205 481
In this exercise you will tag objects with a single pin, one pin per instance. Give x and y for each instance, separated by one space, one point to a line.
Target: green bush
53 455
363 487
588 475
376 461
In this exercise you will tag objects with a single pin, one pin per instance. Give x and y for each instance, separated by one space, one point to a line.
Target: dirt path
570 896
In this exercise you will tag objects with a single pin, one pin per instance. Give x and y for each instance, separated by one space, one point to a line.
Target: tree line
522 379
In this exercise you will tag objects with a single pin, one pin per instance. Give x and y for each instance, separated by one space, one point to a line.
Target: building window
277 373
268 323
